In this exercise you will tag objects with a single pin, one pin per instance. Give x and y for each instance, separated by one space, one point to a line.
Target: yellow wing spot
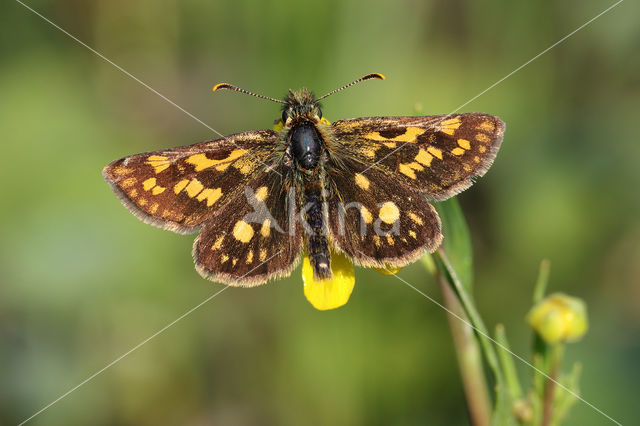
154 208
369 151
413 235
263 255
180 185
390 144
244 165
201 161
390 240
481 137
417 219
121 171
224 258
487 126
149 183
158 190
482 149
457 151
366 215
158 162
211 195
424 157
128 182
362 181
133 193
261 193
165 213
234 261
218 243
389 212
408 169
476 159
449 126
250 257
436 152
376 240
410 135
194 187
265 230
467 168
242 231
142 202
464 143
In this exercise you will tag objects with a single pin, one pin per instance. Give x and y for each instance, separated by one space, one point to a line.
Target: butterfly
262 199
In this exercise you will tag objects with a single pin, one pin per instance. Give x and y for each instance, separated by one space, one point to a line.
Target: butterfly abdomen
315 232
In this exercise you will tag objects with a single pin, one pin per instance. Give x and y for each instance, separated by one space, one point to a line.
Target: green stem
549 391
469 358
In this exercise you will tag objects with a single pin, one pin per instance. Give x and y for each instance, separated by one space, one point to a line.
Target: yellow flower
559 318
329 294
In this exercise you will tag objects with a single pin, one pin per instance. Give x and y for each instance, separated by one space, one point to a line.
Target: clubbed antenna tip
227 86
366 77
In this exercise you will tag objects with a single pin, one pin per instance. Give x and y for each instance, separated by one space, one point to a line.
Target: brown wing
179 189
436 155
375 221
255 236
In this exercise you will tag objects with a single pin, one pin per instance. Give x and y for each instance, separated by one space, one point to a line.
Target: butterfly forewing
377 222
180 188
254 237
436 155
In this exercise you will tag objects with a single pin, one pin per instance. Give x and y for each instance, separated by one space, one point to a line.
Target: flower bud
559 318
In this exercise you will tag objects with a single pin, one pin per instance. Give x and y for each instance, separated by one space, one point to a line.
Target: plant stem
474 318
550 387
469 359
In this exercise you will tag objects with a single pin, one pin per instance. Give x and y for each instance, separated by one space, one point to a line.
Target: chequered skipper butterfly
360 186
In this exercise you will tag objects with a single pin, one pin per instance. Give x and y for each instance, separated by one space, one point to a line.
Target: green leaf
508 366
457 241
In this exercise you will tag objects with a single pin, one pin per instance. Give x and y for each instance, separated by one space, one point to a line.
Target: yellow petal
329 294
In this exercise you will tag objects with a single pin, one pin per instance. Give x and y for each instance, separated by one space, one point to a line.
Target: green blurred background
83 281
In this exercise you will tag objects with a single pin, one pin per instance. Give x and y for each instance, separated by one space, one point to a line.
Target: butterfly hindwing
179 189
377 222
438 155
254 237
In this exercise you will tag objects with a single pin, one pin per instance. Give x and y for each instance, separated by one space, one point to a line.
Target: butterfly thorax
300 115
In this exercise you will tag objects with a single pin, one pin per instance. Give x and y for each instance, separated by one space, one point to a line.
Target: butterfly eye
285 114
319 112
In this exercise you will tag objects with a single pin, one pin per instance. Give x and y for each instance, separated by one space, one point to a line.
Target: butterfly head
300 106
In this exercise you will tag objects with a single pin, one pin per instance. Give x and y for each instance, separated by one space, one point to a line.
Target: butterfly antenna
366 77
227 86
